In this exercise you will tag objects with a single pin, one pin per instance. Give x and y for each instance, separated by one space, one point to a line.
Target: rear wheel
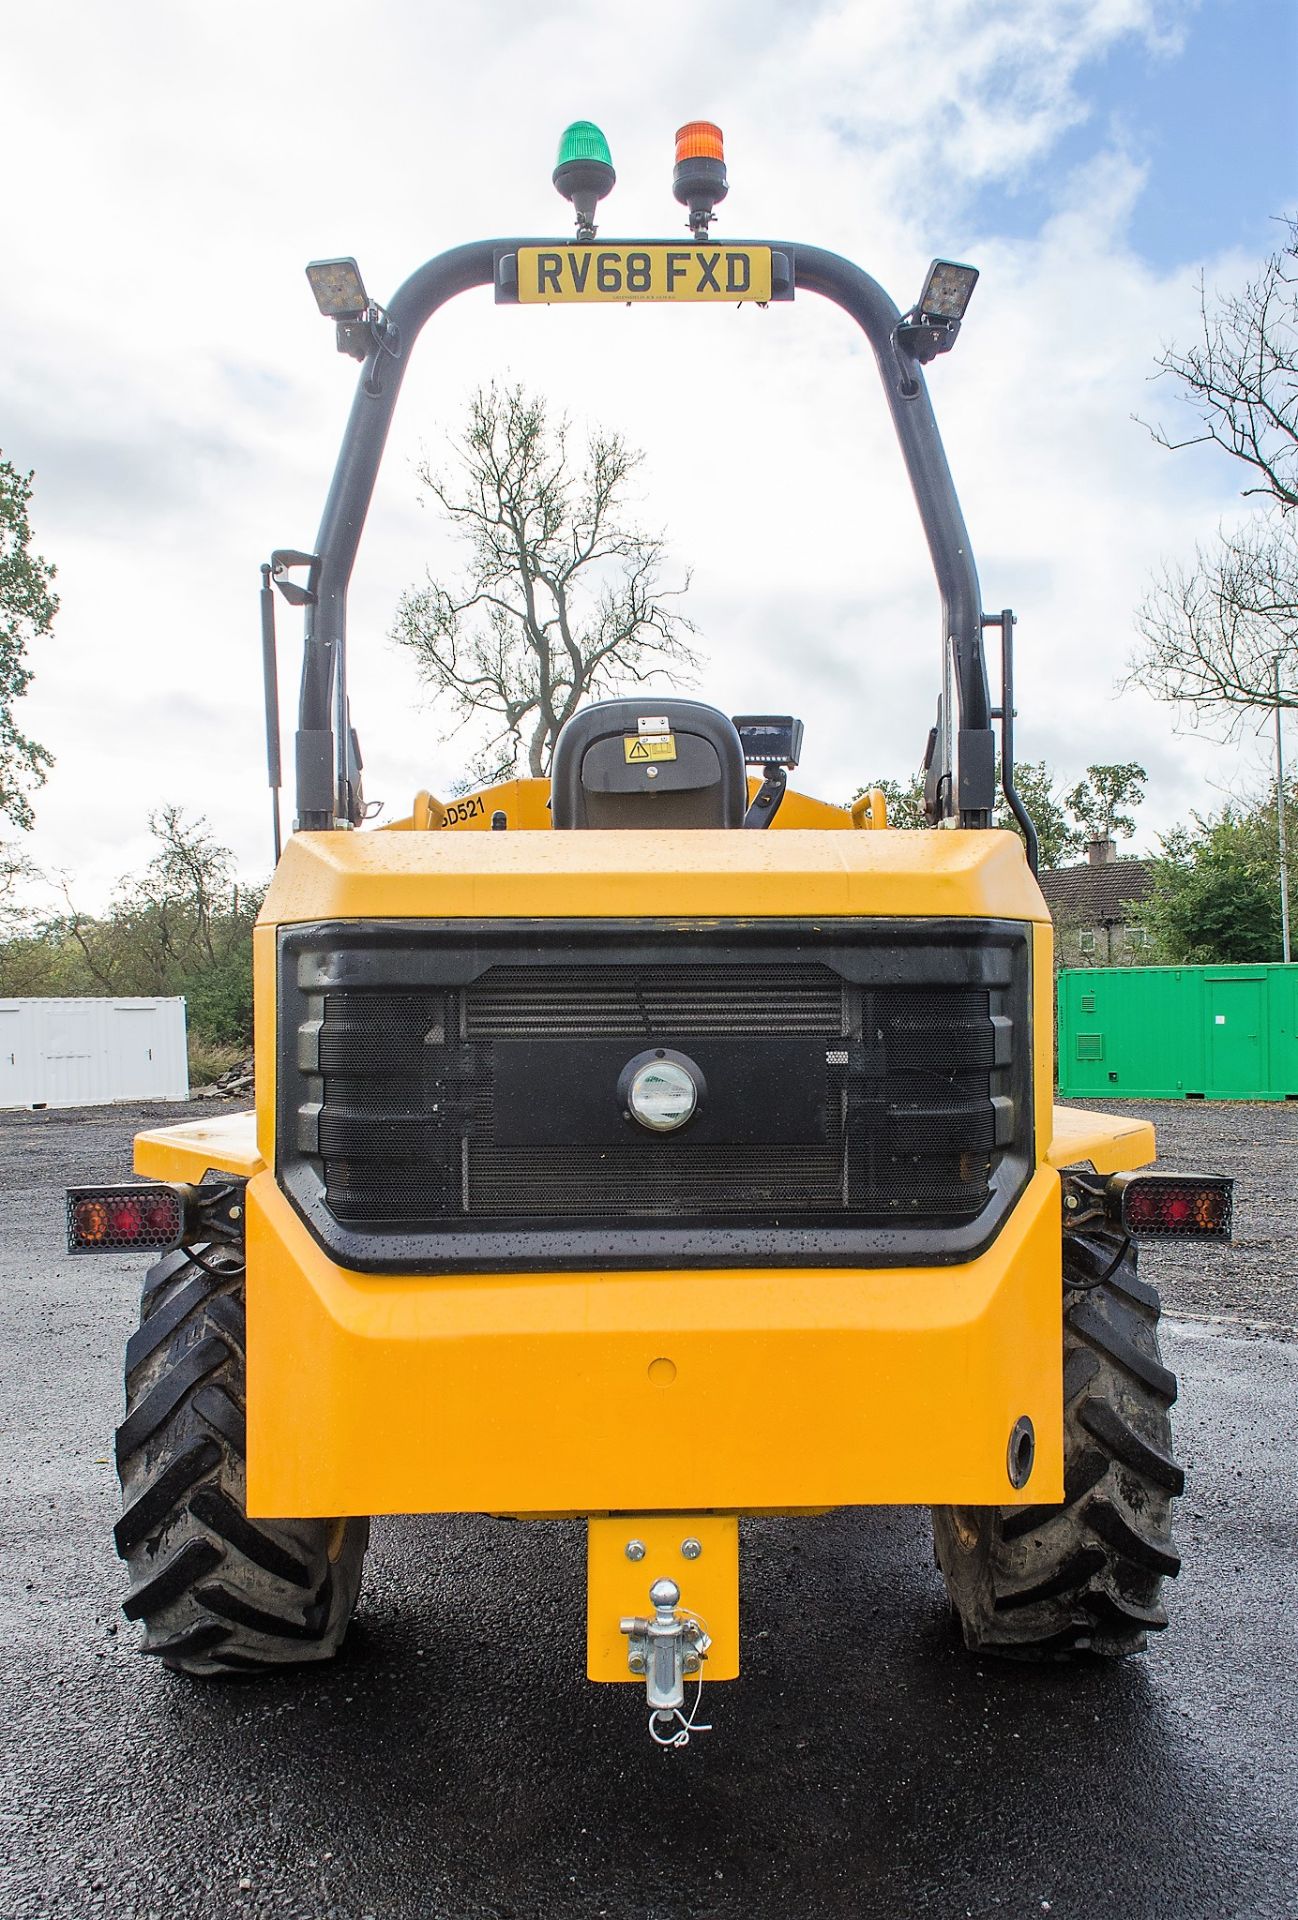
215 1591
1084 1576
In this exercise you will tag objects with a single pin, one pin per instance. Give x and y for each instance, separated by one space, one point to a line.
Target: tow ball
666 1649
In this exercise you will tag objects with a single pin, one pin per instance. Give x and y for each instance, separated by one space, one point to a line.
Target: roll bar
325 762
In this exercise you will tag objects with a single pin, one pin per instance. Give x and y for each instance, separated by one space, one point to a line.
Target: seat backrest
648 763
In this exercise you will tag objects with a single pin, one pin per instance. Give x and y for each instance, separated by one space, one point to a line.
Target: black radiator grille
407 1130
521 1002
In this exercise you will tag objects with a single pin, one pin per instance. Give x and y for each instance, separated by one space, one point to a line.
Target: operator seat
648 763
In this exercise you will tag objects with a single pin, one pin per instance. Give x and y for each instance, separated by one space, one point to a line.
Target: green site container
1179 1033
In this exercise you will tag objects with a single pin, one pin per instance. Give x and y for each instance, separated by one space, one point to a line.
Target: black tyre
215 1591
1085 1576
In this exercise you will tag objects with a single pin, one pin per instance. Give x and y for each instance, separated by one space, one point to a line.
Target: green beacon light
583 172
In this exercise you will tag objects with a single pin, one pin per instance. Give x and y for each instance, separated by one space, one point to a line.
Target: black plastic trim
955 952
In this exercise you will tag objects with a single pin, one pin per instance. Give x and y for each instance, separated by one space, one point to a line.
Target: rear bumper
590 1392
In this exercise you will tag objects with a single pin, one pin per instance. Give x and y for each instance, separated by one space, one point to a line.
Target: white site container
88 1053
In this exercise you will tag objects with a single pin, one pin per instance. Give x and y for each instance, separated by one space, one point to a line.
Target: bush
209 1060
1215 899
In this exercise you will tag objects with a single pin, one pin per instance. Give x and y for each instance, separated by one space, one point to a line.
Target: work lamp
662 1096
660 1090
933 323
338 288
947 291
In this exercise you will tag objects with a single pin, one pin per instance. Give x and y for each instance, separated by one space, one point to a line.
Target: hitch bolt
691 1548
635 1549
236 1213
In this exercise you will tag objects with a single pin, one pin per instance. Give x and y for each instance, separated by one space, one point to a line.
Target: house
1093 908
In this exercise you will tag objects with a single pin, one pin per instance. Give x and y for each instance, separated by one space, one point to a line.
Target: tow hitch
671 1644
665 1649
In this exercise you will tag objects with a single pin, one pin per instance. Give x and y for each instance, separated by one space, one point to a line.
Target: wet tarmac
456 1763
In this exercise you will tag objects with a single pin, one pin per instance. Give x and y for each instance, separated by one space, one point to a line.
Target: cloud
165 372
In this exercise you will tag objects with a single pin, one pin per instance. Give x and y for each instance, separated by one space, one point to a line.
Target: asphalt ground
456 1763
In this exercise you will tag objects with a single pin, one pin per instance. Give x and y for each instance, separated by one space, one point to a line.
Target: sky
164 371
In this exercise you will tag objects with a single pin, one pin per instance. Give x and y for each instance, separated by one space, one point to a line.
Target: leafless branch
562 597
1241 377
1212 633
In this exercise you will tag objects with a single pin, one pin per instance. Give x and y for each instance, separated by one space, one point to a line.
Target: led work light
660 1090
947 291
360 324
933 322
338 288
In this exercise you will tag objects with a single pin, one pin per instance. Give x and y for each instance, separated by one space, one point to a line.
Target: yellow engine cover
547 1393
544 1393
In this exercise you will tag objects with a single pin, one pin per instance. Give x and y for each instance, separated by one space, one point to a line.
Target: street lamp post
1280 819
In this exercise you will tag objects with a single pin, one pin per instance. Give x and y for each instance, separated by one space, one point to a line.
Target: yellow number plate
548 274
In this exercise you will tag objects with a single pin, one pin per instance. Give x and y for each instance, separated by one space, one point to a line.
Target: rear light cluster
100 1218
1158 1205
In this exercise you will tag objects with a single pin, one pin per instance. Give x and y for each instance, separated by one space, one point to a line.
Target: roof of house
1096 896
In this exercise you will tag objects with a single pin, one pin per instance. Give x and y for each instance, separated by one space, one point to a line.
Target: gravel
1252 1283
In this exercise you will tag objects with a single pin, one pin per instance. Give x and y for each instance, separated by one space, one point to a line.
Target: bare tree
1241 377
562 597
1214 632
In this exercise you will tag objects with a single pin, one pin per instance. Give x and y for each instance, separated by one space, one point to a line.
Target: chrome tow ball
667 1649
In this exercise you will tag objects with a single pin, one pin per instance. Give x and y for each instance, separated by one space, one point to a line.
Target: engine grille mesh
531 1002
408 1123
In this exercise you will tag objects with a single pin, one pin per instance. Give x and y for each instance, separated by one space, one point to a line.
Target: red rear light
1163 1204
102 1218
158 1212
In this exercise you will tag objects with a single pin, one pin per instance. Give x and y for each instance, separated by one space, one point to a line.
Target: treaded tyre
215 1591
1084 1577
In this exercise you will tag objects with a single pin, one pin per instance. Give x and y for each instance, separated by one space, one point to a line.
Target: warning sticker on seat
640 746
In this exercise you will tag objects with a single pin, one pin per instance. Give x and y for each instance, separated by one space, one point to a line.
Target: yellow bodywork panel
550 1392
525 805
225 1143
1043 1027
617 1586
707 875
1109 1142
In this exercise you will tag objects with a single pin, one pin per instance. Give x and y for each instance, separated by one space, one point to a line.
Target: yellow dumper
653 1143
